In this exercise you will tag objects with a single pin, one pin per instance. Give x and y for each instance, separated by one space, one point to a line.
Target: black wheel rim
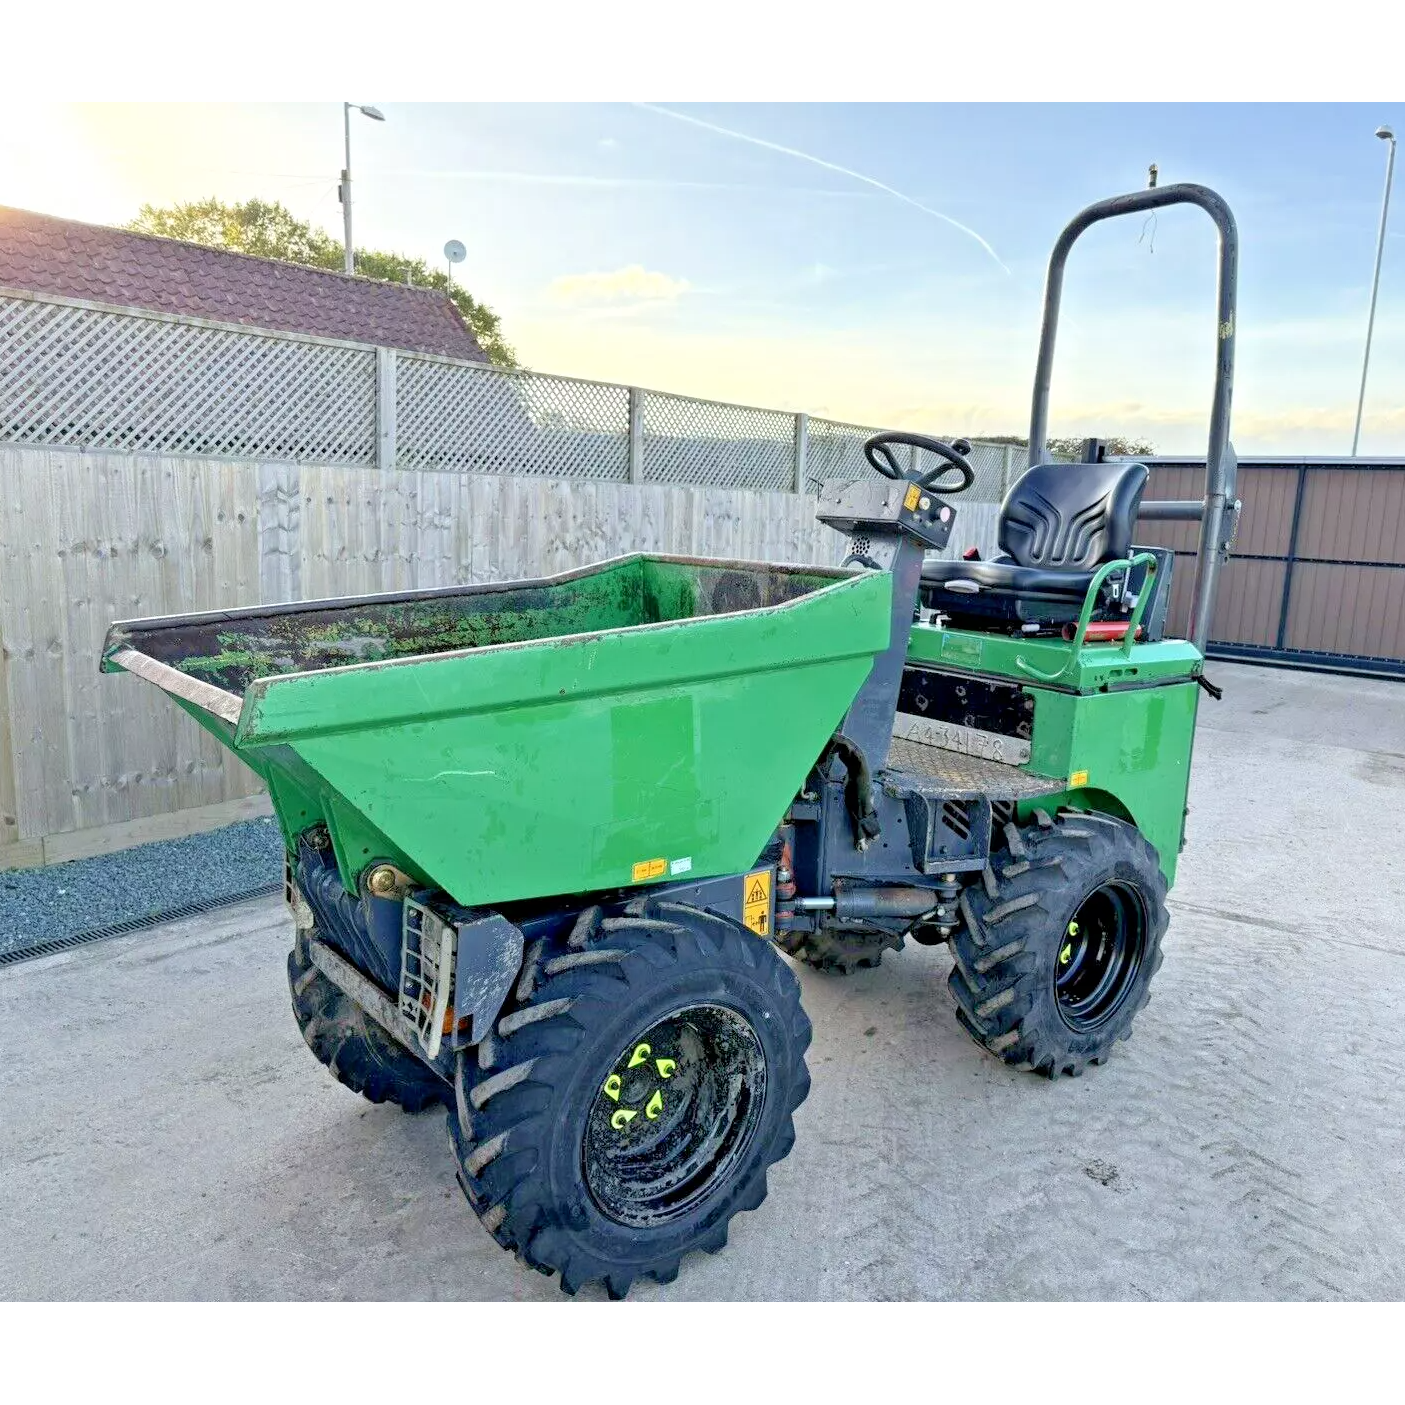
674 1115
1099 956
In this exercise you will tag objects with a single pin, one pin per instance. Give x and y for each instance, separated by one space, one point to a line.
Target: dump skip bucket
625 723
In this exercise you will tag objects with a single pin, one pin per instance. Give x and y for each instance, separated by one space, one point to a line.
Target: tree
271 231
259 227
1116 446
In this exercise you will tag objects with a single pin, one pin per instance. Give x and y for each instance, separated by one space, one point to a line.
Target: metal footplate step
963 760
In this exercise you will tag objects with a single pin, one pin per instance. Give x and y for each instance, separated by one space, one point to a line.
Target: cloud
635 284
607 144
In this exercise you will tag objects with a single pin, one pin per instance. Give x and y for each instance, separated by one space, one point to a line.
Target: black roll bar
1212 510
1177 510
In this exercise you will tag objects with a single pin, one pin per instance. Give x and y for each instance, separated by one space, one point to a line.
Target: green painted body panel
1032 661
1119 728
672 727
1133 746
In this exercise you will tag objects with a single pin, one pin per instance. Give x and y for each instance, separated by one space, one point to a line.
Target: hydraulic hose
858 787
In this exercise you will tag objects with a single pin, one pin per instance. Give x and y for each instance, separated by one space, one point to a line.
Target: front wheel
632 1098
355 1049
1059 943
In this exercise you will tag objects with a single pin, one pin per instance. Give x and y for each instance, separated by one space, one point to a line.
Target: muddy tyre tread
1002 975
356 1051
502 1145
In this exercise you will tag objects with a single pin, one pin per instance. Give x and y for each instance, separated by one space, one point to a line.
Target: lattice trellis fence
997 466
835 450
77 374
455 415
725 446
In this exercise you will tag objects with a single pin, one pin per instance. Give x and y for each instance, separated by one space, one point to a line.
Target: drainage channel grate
135 924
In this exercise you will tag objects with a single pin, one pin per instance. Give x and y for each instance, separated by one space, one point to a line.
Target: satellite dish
455 252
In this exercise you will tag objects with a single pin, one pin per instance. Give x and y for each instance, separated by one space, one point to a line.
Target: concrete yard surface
165 1133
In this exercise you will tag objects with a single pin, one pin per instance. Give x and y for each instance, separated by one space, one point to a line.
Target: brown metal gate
1317 577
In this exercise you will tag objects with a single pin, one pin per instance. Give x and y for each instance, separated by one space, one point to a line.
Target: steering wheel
879 453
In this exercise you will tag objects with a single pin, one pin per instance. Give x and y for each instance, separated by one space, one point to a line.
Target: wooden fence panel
86 538
90 537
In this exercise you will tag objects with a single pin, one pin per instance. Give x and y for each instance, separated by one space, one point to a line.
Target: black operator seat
1058 524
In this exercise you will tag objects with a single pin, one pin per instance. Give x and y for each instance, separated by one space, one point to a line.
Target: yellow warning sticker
646 869
912 497
1077 778
756 902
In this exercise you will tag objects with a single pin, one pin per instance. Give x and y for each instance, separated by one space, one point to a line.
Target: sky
882 264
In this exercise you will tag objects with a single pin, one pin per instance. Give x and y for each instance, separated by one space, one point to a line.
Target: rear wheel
356 1050
632 1098
1059 943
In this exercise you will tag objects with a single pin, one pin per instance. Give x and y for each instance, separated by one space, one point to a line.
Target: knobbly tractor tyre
633 1096
837 951
1059 942
356 1051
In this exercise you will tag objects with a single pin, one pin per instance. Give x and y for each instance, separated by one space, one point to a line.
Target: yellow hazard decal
912 497
756 902
646 869
1076 779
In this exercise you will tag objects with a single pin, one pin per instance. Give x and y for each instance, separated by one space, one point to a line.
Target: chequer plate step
952 770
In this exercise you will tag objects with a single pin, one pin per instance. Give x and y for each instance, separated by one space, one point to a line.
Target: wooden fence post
385 408
636 434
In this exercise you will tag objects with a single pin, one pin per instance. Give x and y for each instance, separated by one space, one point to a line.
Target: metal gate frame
1348 523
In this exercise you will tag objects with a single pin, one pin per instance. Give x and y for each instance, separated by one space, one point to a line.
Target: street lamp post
1385 134
344 191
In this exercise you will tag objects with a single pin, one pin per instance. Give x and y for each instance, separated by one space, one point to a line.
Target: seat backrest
1073 515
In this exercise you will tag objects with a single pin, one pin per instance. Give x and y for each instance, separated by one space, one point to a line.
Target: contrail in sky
827 165
620 182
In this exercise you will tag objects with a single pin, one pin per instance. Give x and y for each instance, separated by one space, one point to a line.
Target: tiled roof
42 254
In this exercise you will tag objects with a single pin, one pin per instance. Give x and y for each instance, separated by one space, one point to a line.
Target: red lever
1103 632
972 553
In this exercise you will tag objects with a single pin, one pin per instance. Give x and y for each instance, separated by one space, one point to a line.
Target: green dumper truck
547 840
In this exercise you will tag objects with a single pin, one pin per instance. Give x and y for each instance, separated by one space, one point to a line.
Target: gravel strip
43 904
